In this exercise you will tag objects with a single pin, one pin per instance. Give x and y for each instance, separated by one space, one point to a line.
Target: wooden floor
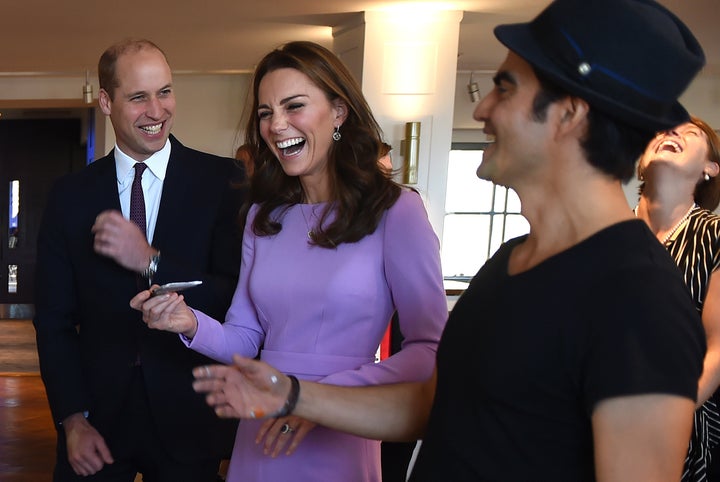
17 347
27 436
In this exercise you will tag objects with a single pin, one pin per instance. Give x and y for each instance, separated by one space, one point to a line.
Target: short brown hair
106 66
707 193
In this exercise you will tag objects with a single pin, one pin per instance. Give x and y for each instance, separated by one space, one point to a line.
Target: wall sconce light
410 151
473 90
87 89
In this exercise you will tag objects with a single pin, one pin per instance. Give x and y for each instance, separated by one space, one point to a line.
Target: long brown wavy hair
360 191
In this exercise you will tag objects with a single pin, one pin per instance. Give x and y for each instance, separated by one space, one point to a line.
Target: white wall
43 87
702 99
408 76
208 113
209 107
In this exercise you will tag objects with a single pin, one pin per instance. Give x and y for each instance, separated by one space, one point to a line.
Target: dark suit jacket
87 334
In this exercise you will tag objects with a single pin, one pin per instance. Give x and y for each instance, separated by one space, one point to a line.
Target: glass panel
479 216
14 208
465 244
499 205
465 191
513 202
12 278
496 237
515 225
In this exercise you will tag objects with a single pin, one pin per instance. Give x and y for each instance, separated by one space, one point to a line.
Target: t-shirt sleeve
644 336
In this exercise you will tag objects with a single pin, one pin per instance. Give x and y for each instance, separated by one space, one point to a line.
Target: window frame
492 212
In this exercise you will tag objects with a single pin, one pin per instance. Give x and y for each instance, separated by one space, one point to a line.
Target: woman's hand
166 312
277 432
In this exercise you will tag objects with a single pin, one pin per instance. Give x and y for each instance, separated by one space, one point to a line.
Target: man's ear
574 112
104 101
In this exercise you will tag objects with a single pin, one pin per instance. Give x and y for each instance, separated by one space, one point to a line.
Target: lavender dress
320 314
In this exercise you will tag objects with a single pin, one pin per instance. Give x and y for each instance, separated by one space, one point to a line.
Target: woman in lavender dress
331 248
680 190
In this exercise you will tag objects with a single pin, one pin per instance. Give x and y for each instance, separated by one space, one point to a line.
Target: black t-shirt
524 359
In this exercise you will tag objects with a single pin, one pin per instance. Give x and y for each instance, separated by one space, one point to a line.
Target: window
479 216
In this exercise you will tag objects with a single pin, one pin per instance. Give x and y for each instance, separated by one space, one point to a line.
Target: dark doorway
33 154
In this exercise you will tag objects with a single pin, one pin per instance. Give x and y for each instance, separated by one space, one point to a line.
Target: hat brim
519 39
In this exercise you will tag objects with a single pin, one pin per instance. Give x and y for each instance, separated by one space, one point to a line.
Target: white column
406 61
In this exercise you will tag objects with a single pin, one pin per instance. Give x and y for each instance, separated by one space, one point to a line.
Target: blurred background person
243 154
385 159
679 191
332 247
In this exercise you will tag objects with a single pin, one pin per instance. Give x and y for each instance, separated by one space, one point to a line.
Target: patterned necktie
137 199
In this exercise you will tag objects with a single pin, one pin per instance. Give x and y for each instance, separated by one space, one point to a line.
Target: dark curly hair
609 145
360 190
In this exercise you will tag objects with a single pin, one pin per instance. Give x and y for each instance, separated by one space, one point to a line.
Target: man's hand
87 452
246 389
121 240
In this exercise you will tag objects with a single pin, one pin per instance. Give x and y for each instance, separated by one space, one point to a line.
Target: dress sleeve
411 257
241 333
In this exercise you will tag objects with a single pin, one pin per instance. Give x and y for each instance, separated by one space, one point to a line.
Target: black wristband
292 398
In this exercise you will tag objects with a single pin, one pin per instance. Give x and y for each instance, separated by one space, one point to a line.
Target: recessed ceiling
68 36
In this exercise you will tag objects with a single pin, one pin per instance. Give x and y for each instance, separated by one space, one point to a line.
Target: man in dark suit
121 394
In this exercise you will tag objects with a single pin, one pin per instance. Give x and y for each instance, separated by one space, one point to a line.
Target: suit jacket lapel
176 192
105 190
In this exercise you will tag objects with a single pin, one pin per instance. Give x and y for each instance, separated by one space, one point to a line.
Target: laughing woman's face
297 122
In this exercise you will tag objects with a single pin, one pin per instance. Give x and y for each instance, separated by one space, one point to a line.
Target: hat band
592 77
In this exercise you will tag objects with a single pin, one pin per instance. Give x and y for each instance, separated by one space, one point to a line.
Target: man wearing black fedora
574 355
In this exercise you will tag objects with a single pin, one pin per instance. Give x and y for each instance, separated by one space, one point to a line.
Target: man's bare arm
642 437
254 389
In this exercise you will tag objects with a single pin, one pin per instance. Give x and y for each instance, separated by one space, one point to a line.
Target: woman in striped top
680 189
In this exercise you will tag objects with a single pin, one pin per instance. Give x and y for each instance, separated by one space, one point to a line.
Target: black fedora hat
631 59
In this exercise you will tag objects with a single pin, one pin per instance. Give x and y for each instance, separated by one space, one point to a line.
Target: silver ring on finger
286 428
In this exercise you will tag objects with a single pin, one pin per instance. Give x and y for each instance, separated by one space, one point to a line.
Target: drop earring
336 135
707 177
